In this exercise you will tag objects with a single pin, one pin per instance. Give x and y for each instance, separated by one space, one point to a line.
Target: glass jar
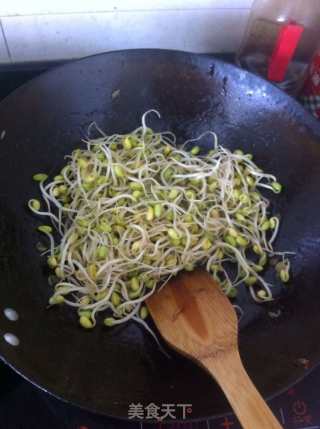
280 41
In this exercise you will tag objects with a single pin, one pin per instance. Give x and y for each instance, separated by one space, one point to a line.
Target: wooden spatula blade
197 319
185 314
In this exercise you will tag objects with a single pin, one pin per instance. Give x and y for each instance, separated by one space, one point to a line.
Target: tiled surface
29 7
32 38
4 57
37 30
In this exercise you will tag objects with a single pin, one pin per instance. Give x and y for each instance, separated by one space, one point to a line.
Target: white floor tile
70 36
32 7
4 57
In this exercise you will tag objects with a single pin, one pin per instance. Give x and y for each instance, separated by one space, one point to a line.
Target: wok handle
245 400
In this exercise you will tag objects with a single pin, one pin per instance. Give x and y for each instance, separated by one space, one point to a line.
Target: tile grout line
116 10
5 41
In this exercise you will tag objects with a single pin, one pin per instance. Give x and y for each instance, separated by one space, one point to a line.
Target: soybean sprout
131 211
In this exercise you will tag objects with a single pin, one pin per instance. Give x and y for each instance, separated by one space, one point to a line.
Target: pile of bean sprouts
131 211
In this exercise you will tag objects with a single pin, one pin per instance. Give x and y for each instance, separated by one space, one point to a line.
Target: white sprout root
131 211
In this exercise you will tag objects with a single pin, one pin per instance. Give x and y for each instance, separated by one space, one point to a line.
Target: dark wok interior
106 370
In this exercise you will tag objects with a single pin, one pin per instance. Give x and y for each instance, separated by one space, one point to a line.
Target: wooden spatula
198 320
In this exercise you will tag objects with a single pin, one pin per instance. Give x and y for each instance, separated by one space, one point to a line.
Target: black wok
106 370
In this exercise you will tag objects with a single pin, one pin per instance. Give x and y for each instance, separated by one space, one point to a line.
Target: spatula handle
247 403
